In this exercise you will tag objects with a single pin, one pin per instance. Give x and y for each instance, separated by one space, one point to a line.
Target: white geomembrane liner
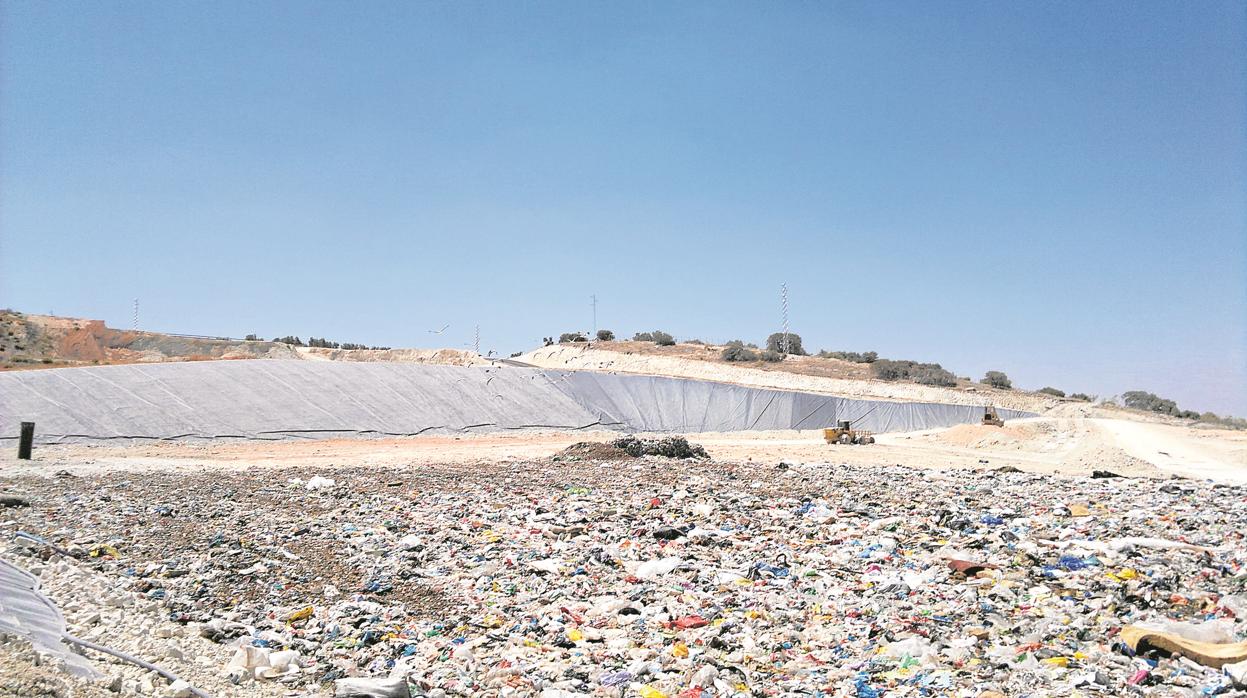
27 613
275 399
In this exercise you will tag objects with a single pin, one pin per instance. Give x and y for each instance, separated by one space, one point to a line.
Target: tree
776 343
605 336
663 339
997 379
1052 391
571 337
934 375
926 374
1080 396
1143 400
643 337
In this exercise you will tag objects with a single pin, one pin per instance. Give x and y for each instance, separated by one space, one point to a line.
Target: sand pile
592 451
980 436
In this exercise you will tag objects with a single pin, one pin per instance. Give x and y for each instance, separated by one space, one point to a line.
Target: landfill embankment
262 399
605 358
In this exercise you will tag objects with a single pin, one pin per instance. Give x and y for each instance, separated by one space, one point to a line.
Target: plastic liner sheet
279 399
653 403
27 613
275 399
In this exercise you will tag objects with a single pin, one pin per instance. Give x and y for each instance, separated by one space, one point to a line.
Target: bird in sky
439 331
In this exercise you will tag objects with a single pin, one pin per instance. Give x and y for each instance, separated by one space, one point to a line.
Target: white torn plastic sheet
25 612
659 567
320 483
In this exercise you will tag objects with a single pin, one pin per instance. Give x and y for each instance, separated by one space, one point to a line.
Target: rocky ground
645 576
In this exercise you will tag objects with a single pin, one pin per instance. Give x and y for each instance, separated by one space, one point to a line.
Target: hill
47 341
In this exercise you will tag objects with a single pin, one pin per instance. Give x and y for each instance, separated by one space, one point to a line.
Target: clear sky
1056 190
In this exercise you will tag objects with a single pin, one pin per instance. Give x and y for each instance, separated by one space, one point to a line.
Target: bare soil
1066 446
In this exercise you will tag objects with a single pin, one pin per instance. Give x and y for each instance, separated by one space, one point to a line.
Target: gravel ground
646 577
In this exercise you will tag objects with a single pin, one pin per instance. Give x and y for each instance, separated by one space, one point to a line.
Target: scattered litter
636 577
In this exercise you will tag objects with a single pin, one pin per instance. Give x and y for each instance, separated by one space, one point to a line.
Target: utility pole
594 298
783 300
136 315
476 340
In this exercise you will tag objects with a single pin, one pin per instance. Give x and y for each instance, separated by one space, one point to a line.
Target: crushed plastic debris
641 577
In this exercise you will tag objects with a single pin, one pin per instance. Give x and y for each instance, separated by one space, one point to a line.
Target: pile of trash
666 447
645 578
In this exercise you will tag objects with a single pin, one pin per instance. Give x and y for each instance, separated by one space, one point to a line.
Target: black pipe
27 441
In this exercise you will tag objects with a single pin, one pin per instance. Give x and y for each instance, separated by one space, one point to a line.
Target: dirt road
1062 446
1214 454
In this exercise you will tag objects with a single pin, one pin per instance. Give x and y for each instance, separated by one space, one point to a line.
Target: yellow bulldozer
990 418
844 433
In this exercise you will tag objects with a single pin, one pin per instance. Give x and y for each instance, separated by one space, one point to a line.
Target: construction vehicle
990 418
844 433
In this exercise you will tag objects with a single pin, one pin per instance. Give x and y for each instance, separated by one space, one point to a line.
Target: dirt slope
445 357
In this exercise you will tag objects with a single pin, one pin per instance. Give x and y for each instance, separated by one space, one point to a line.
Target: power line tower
135 326
594 299
476 340
783 301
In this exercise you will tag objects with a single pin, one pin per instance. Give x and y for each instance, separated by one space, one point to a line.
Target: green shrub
889 370
997 379
1053 392
1080 396
933 375
1227 422
571 337
1149 402
771 356
776 343
643 337
605 336
663 339
737 352
868 357
926 374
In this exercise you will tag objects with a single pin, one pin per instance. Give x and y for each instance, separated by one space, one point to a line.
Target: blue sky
1056 190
